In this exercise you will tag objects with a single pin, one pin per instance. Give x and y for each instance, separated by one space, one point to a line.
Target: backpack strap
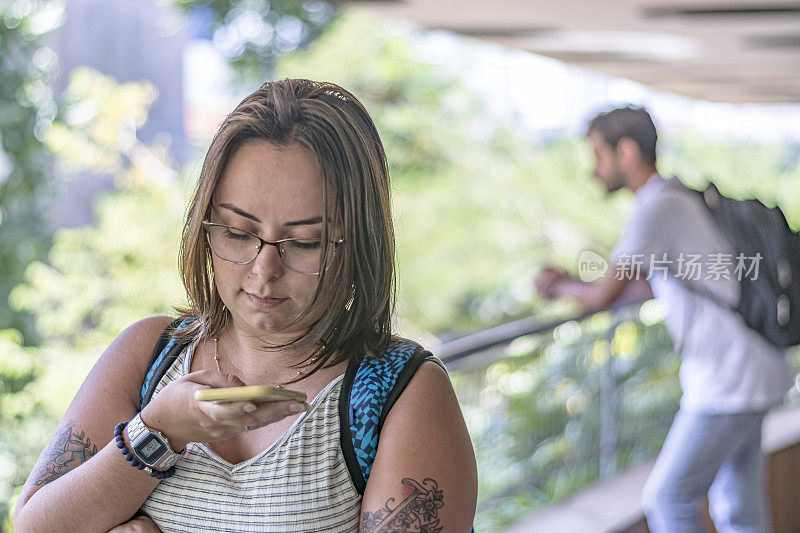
166 350
370 388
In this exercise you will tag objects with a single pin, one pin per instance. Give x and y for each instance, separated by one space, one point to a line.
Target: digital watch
151 447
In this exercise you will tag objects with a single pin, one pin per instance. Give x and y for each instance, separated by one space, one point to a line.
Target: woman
287 258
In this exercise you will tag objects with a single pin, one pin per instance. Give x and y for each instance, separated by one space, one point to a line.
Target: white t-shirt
727 366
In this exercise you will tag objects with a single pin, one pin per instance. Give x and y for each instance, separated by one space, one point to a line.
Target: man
730 375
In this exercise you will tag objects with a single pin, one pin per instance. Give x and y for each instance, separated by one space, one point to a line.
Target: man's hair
634 123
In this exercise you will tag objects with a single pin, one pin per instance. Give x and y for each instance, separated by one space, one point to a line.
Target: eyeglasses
242 247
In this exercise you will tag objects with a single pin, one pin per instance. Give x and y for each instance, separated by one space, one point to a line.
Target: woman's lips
265 303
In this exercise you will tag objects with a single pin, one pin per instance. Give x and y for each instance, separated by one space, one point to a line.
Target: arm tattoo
67 450
417 512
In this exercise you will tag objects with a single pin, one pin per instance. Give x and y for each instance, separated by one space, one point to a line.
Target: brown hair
634 123
360 283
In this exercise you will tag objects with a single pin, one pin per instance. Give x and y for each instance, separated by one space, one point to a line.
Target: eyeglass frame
261 243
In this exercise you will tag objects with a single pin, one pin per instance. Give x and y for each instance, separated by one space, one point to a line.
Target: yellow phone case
256 393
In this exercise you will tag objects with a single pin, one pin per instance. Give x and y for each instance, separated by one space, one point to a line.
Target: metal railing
552 407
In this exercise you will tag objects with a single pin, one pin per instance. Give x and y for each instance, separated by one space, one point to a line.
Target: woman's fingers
248 413
224 411
212 378
269 413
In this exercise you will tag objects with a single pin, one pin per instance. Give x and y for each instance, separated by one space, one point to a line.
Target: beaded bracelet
133 460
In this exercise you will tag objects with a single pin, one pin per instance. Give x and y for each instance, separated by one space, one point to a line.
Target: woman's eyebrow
305 222
240 212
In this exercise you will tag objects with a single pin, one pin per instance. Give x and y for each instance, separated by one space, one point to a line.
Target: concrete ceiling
719 51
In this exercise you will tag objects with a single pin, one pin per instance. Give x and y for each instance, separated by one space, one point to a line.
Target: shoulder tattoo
417 512
67 450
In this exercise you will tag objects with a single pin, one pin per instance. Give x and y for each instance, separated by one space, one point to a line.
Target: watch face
150 449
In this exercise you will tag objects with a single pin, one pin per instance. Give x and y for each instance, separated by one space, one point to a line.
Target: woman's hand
183 419
139 524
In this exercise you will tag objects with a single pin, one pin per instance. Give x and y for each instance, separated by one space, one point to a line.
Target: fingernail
297 407
249 408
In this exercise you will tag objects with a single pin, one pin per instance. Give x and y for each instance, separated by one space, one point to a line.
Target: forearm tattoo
417 512
67 450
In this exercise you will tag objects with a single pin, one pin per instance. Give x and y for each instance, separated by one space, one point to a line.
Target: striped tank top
300 483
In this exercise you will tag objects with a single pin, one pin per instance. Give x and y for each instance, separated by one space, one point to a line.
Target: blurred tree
26 109
769 172
19 368
99 279
254 33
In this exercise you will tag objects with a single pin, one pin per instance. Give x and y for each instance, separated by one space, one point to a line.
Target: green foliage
97 122
19 368
98 280
26 108
254 33
768 172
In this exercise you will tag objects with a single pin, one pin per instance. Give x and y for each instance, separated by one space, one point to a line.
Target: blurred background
107 108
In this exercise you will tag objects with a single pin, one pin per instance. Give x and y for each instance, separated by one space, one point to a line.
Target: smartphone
256 393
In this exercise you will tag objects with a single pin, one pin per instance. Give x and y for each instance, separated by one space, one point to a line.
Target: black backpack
770 302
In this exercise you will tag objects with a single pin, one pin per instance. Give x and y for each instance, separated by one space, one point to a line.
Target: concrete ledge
614 505
608 505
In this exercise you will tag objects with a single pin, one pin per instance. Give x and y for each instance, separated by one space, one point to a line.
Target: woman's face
275 193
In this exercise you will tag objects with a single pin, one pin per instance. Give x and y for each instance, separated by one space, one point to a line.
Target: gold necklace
279 385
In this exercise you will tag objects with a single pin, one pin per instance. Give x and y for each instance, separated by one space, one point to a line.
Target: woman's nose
268 263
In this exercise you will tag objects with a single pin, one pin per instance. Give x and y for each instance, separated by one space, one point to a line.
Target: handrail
462 347
503 334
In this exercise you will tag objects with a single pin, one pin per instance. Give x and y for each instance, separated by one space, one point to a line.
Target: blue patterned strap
369 390
166 350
